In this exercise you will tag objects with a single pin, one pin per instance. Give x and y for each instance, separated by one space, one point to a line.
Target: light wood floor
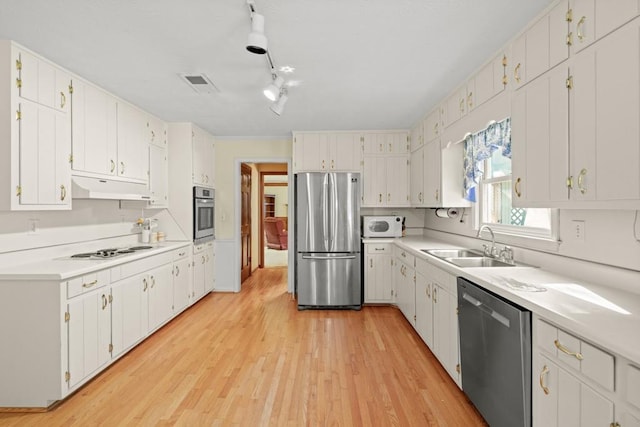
251 359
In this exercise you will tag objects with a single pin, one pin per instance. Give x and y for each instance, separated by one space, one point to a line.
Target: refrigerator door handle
322 257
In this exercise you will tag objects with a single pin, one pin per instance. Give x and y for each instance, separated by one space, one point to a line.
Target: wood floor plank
252 359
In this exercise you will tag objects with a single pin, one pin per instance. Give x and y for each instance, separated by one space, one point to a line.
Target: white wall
608 237
88 220
282 198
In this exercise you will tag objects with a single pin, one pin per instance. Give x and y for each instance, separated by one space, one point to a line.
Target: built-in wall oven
203 214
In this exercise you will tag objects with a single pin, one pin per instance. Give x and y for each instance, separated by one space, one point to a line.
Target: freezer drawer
329 280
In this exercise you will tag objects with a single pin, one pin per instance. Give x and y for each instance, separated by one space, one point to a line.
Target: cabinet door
540 140
606 79
45 140
374 181
156 132
417 136
546 42
545 393
441 324
374 143
484 81
209 273
397 168
129 310
378 278
94 136
132 143
416 181
406 293
199 268
424 309
456 105
158 176
432 174
83 337
594 19
518 66
345 152
181 285
104 326
160 296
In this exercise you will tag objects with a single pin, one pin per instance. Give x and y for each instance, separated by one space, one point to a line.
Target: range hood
96 188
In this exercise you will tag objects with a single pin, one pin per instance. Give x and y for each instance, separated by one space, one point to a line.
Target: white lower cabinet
576 383
378 283
84 324
182 281
160 295
203 270
424 306
405 284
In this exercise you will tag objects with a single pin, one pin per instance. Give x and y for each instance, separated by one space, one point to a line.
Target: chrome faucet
489 251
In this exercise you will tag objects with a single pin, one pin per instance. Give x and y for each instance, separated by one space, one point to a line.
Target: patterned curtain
478 147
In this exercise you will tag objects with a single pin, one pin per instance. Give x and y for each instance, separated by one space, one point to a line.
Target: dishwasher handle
494 314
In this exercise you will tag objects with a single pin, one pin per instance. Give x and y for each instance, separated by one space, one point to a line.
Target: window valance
478 147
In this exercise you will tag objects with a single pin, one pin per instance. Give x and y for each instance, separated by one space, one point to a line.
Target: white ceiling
361 64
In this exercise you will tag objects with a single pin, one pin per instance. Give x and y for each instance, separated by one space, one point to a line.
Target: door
312 222
344 212
245 222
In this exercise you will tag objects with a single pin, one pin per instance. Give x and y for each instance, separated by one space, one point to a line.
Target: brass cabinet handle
428 289
579 28
90 284
388 197
516 73
104 301
437 194
381 147
153 281
581 186
63 99
470 100
146 284
516 187
380 197
121 168
177 271
202 259
333 165
565 350
435 294
371 262
462 105
544 372
63 192
113 165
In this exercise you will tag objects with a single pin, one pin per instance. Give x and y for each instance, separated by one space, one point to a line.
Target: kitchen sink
453 253
481 261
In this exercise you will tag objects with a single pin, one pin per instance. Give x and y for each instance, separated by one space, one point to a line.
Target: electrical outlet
578 230
33 226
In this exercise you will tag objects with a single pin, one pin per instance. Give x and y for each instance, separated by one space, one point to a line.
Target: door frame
237 218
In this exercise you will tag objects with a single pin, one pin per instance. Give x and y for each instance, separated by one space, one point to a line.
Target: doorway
274 220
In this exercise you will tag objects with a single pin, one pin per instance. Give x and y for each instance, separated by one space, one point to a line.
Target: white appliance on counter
382 226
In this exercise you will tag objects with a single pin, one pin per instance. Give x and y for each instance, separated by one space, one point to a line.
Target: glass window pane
498 165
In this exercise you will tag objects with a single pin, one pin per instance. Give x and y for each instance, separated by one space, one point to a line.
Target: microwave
382 226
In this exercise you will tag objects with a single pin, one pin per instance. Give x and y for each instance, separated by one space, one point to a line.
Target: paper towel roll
447 213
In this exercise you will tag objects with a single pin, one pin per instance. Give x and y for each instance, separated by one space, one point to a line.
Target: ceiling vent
199 82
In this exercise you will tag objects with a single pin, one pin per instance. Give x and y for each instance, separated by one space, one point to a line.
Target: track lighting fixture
273 90
278 106
257 43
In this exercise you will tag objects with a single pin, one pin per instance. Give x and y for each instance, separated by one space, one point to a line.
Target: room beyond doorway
274 229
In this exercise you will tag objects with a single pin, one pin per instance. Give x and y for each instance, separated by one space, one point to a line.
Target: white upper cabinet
540 138
327 151
94 137
605 131
594 19
416 177
433 125
203 153
158 176
541 47
385 143
37 127
417 136
443 175
133 161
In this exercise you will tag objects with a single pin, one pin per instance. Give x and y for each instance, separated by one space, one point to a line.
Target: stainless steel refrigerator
327 237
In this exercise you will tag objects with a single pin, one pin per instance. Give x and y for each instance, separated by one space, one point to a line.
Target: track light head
273 90
257 42
278 107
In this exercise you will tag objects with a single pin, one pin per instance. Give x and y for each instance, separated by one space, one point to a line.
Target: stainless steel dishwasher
495 355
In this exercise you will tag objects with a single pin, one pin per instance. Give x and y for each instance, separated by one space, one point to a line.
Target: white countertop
604 315
64 267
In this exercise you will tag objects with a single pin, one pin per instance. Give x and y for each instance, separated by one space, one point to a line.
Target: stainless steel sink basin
478 262
453 253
